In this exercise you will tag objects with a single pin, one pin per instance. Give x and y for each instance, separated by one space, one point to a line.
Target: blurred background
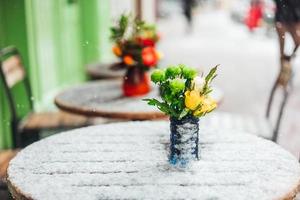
59 38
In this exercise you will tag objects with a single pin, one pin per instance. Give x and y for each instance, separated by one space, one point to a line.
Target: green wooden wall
56 38
55 47
95 30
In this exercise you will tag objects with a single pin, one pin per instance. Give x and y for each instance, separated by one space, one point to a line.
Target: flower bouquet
135 47
185 98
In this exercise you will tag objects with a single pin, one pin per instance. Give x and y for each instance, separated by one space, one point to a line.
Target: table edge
293 193
114 115
16 192
18 195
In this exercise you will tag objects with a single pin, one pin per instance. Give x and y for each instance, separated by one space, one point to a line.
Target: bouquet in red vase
134 44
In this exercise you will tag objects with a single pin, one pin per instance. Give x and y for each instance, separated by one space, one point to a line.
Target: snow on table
105 99
129 161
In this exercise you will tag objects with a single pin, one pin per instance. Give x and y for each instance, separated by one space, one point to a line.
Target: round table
104 71
105 99
129 161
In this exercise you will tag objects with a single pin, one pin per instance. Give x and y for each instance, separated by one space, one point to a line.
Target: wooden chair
283 81
5 157
26 130
257 125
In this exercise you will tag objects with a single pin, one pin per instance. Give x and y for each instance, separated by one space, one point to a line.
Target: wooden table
129 161
104 99
104 71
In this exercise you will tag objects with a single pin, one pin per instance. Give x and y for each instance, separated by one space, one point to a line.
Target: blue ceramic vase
184 139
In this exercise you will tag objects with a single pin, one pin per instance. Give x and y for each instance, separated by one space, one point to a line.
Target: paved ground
248 65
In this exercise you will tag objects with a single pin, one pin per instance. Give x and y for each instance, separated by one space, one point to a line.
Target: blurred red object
136 82
149 56
146 42
254 15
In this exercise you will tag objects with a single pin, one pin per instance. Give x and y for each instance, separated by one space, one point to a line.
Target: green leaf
123 22
211 74
184 113
208 91
209 77
118 31
160 105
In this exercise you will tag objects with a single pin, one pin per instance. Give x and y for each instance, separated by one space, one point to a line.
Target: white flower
198 83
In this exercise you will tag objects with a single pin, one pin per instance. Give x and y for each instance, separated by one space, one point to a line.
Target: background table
104 99
129 161
104 71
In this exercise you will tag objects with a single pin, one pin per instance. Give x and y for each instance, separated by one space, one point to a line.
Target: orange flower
128 60
117 50
149 56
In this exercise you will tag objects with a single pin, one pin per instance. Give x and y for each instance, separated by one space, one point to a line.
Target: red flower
149 56
147 42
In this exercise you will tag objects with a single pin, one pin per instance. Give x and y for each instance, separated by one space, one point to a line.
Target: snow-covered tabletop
104 71
105 99
129 161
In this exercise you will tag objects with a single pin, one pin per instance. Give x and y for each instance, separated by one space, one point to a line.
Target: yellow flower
208 104
148 34
159 55
192 99
117 50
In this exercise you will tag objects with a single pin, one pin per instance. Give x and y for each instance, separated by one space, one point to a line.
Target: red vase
136 82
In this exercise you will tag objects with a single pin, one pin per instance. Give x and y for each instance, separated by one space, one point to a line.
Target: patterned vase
184 140
136 82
